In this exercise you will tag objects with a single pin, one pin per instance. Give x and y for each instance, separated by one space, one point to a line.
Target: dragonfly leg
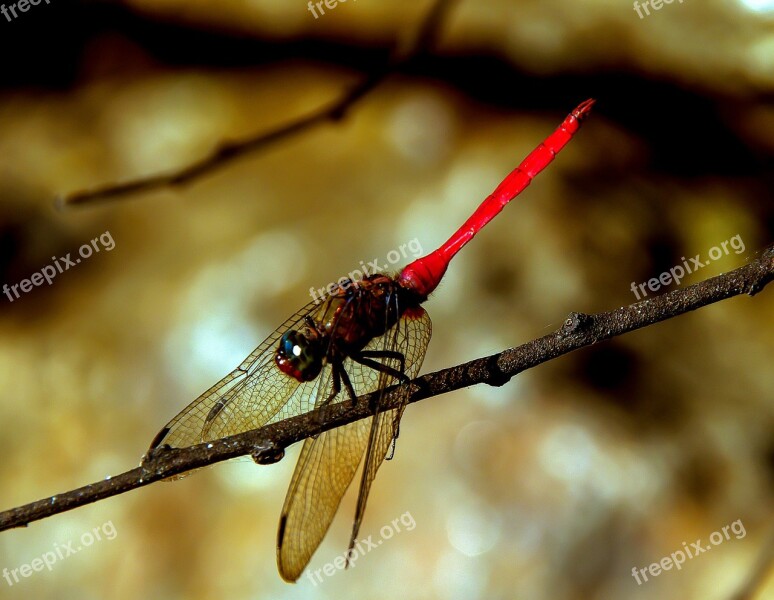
339 375
364 358
388 354
336 376
348 385
336 372
394 441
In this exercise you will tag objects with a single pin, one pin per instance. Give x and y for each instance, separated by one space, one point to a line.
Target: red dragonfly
364 337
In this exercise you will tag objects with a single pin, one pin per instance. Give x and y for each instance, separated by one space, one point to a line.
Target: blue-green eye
298 357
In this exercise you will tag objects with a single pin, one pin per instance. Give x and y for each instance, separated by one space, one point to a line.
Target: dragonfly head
298 356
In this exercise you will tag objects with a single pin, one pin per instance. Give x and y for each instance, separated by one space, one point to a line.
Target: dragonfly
367 335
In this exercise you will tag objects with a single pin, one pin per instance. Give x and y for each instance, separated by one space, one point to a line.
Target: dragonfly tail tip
583 109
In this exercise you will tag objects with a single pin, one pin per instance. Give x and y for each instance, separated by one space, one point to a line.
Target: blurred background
554 486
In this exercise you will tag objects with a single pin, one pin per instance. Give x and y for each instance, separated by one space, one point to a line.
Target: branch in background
424 38
267 444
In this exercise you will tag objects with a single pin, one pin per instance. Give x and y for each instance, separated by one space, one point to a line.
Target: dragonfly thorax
351 316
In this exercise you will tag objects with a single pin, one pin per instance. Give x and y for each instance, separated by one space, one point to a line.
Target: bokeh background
553 486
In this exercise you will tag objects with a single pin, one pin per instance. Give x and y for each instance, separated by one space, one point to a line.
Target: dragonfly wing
323 473
328 462
412 335
252 395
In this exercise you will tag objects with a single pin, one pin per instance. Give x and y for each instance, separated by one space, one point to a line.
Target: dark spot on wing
215 410
281 532
159 437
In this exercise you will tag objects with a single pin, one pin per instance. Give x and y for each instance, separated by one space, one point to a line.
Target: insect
365 336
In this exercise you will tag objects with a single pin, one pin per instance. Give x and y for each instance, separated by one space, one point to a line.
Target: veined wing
328 463
412 336
323 473
252 395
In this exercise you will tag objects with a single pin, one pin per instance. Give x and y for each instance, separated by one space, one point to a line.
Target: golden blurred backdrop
553 486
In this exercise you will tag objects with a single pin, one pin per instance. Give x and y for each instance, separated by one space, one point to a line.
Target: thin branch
424 37
267 444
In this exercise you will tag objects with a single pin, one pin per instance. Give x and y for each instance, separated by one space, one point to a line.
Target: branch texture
267 444
421 40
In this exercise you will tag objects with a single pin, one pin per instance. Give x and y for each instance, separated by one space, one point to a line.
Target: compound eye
298 357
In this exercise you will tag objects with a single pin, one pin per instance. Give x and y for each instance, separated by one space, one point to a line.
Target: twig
423 39
267 444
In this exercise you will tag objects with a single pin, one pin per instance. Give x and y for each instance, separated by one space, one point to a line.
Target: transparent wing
328 462
412 336
252 395
323 473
